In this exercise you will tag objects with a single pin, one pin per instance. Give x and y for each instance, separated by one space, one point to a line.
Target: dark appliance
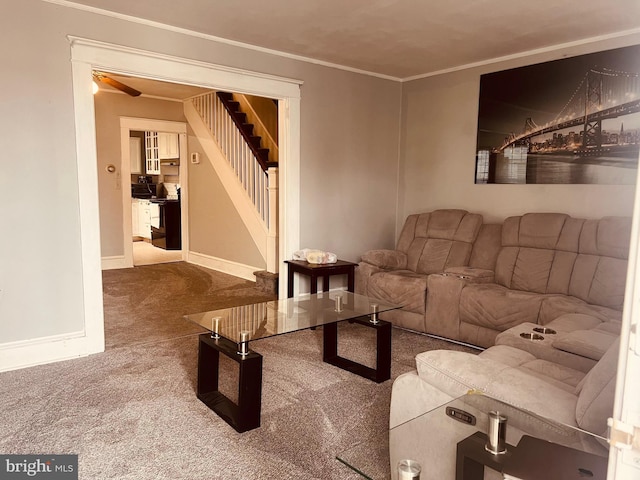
144 190
168 234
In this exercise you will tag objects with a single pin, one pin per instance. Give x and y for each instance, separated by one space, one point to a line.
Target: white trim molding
87 55
55 348
114 262
225 266
127 124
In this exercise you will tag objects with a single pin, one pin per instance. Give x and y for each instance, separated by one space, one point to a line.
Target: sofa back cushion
599 273
440 239
538 252
556 254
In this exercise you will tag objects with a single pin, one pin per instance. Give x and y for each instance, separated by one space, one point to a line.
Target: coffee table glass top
267 319
439 431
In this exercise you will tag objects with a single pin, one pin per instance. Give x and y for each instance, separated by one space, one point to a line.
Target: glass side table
456 434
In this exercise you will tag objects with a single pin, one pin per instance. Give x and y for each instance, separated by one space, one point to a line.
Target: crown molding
213 38
529 53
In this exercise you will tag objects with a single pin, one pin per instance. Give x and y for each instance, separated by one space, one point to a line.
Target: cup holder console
549 331
531 336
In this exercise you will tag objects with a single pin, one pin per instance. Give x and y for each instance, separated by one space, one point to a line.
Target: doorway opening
87 56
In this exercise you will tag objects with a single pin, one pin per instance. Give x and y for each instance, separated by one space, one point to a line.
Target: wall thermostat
195 157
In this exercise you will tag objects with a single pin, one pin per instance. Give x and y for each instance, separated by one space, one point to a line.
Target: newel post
272 235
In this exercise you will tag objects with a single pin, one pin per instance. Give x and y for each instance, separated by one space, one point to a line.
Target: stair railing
253 176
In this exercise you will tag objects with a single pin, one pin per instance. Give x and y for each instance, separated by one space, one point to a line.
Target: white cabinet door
144 218
168 145
135 218
152 153
135 155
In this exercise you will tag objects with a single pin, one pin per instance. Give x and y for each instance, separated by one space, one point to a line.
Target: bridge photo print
574 120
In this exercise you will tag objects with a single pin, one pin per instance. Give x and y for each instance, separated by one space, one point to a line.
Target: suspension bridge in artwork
601 95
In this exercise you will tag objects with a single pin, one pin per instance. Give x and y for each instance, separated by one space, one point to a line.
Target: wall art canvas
574 120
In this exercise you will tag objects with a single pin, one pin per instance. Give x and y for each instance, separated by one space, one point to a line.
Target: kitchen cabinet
168 145
148 215
160 146
135 150
152 153
135 218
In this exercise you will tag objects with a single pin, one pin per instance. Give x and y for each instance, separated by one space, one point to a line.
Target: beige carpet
132 413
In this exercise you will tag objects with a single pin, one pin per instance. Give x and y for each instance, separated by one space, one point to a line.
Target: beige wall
215 228
267 111
109 107
348 171
439 124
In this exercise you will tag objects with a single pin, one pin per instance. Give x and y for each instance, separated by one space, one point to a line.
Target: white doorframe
127 124
87 55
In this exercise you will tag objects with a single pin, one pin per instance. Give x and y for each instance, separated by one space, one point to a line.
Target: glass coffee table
456 435
233 329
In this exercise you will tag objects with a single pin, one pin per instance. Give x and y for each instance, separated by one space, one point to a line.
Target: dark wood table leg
314 283
245 415
382 371
351 280
290 273
383 351
471 458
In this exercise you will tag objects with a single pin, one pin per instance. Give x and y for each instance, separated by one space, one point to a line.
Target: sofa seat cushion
455 373
403 287
558 375
587 343
563 377
497 307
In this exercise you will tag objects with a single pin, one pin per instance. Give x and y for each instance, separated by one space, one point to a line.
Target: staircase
246 129
242 164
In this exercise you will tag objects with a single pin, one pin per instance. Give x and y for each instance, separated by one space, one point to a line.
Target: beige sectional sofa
466 281
548 265
545 274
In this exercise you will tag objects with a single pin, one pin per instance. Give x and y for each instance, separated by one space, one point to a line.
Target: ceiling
395 38
153 88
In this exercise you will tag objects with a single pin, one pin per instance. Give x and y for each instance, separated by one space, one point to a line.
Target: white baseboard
55 348
224 266
111 263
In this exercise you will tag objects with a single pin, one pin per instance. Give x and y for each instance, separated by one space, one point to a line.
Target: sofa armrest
592 343
388 259
475 275
442 314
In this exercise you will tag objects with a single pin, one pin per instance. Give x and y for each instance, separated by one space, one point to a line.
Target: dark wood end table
317 270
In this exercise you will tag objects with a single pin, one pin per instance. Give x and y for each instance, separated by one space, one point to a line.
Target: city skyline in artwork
574 120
